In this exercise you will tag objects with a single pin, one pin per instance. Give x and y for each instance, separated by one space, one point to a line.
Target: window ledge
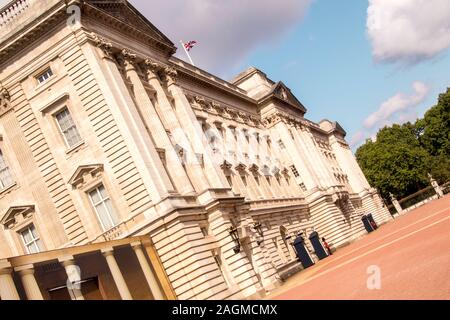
8 189
80 145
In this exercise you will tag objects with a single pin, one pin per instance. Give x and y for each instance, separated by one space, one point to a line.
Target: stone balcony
269 203
18 14
13 9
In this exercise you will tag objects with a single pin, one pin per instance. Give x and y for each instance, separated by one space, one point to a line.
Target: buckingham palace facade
106 136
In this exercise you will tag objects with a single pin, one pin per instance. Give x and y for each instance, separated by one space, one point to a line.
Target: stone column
125 112
73 276
30 285
189 122
156 127
152 280
8 289
125 294
166 112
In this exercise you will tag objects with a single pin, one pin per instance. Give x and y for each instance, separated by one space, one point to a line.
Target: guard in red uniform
325 244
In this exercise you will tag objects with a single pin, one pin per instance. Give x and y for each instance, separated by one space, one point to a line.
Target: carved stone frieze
104 45
5 100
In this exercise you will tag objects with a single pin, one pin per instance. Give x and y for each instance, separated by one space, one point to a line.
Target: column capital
24 270
67 261
136 245
152 67
5 267
170 75
108 251
104 45
127 59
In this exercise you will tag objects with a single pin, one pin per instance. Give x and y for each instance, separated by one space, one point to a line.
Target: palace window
6 179
103 207
31 239
44 76
230 181
294 171
281 144
204 231
68 127
258 138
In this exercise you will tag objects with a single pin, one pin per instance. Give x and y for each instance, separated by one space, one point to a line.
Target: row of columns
8 289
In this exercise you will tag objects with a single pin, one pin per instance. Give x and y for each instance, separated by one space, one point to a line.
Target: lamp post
235 236
258 227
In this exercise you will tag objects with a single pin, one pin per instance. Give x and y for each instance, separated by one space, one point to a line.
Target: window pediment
226 165
84 174
16 214
241 167
254 169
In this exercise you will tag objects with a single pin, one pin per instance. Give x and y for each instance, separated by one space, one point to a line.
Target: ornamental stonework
5 100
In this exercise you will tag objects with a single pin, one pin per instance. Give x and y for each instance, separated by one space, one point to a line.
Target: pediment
241 167
266 170
226 165
254 168
9 218
83 171
281 92
126 13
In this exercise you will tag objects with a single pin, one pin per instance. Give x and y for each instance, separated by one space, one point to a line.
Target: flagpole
187 52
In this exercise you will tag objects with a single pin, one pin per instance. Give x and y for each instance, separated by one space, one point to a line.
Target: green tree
434 129
395 163
401 157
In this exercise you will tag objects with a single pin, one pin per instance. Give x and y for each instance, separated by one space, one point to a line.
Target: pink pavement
412 253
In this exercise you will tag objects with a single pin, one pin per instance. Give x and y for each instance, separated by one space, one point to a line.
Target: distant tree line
400 159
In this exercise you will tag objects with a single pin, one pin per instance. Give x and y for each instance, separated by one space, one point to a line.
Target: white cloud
399 109
408 31
357 138
399 103
227 31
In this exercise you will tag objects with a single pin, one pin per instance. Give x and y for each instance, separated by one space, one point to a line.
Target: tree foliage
402 155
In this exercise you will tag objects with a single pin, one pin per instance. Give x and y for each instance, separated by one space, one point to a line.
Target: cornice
110 21
57 14
25 37
210 106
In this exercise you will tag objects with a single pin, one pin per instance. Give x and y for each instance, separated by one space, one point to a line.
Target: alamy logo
75 16
73 277
374 279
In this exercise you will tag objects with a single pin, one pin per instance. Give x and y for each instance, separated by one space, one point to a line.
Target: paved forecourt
412 254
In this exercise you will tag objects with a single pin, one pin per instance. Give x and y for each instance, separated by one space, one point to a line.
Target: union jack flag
190 45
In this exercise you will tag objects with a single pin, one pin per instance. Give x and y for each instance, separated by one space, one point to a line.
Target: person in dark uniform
327 246
374 225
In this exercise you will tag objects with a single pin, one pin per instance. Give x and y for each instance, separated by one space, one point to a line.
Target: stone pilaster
8 289
30 285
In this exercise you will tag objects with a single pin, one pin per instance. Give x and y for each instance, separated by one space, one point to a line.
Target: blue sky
363 63
327 62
